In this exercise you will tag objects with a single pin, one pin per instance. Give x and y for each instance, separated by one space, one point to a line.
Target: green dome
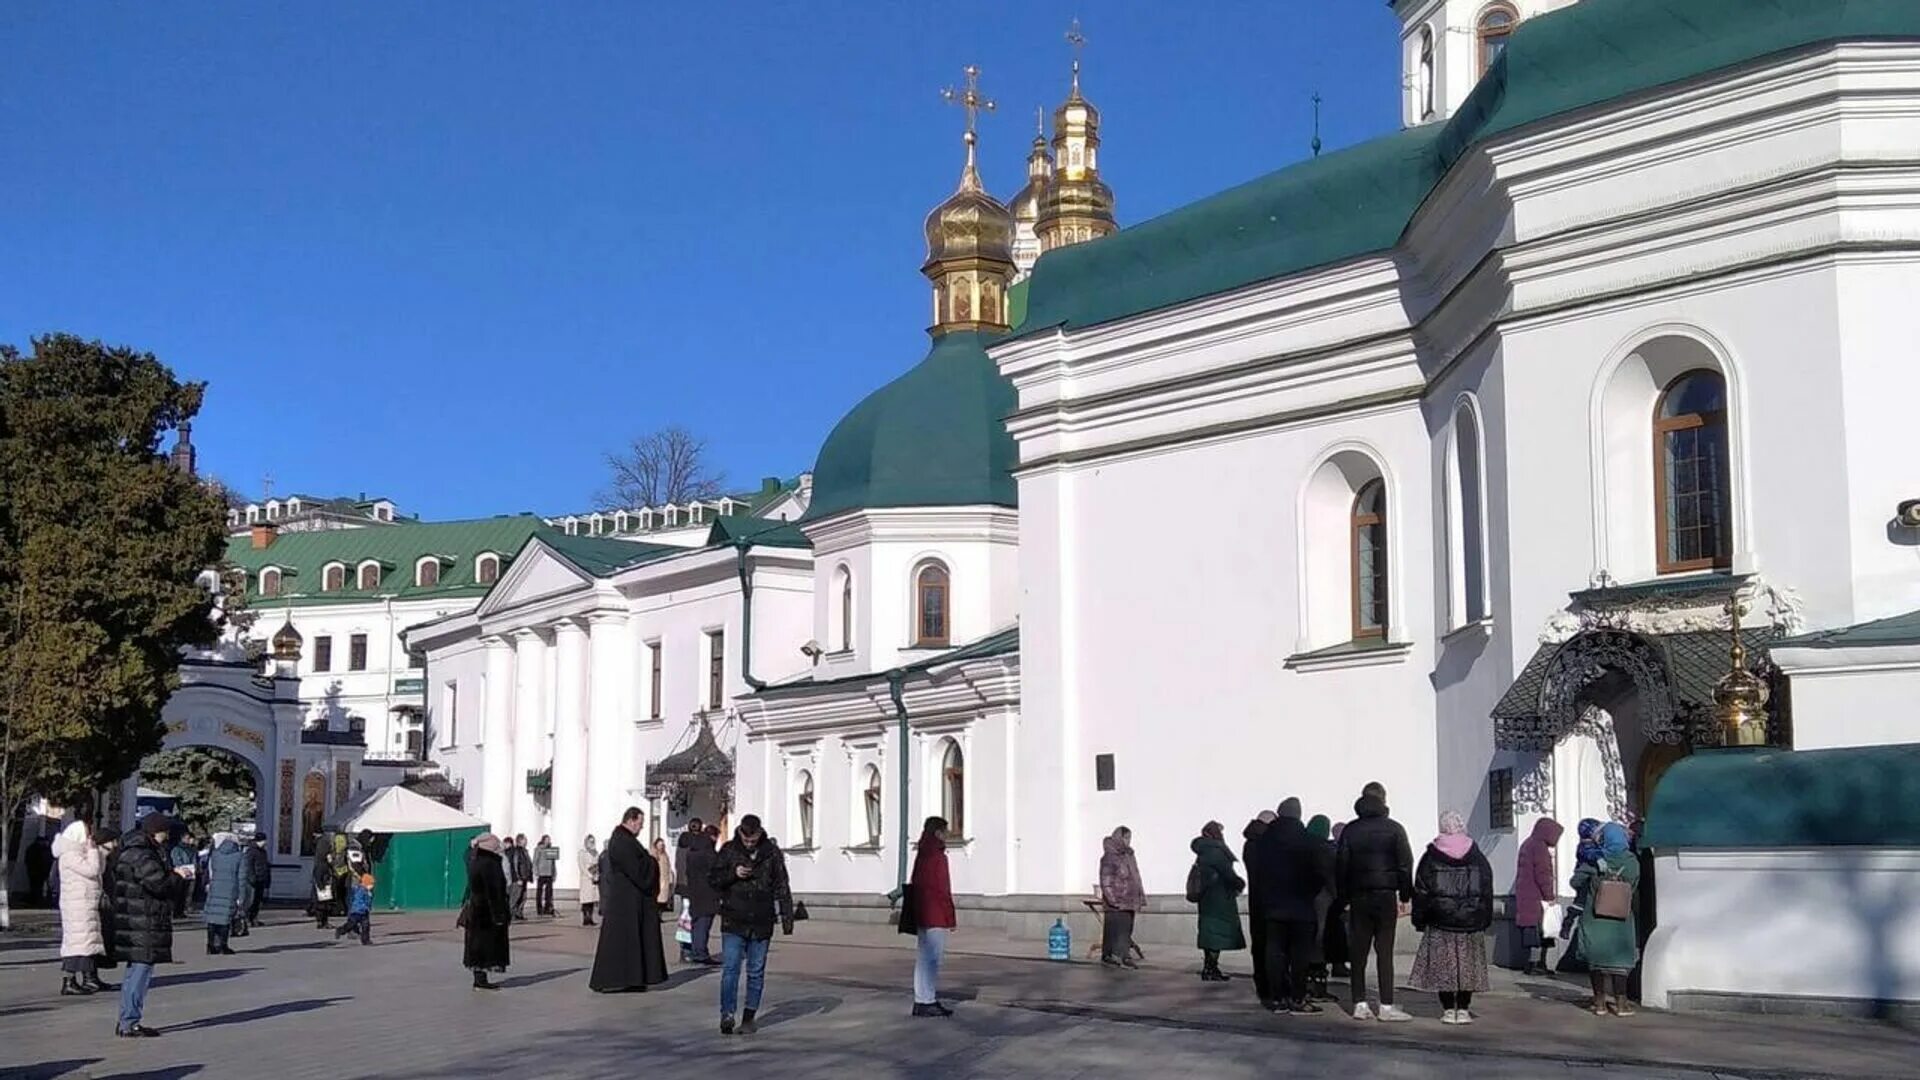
936 436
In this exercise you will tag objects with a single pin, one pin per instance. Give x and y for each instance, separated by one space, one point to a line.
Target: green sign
409 686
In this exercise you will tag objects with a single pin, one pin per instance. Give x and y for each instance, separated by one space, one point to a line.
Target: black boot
480 980
71 986
747 1026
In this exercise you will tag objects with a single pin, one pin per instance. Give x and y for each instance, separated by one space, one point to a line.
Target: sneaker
1305 1006
137 1031
1450 1016
1362 1011
1394 1014
726 1025
1129 963
1462 1016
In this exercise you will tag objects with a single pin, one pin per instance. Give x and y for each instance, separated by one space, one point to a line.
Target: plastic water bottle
1059 941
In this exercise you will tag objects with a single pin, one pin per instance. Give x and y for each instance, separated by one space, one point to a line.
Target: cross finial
1316 123
1039 121
1078 41
266 485
969 98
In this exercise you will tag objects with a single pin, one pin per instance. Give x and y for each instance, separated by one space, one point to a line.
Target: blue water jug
1059 941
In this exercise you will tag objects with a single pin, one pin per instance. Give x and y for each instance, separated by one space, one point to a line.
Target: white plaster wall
457 748
1749 922
1860 707
1878 382
329 698
1048 765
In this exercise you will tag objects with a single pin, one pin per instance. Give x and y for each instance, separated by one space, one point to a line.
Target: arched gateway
228 705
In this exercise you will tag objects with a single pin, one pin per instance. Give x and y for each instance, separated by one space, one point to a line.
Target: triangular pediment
536 573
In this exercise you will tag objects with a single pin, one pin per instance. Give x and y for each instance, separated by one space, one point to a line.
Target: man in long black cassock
630 955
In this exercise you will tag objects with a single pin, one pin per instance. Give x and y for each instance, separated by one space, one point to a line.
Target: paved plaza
293 1004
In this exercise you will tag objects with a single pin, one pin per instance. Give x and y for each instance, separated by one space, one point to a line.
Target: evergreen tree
101 545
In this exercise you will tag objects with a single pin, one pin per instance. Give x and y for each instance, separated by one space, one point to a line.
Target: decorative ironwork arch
1585 659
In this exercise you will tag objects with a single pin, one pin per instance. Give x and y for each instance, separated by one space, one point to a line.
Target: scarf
1453 841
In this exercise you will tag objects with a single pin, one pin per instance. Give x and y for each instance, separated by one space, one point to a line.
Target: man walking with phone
750 875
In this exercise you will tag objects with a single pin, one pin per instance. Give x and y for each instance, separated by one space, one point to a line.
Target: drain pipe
895 679
746 619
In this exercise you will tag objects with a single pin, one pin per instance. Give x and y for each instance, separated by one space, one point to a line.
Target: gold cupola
969 240
1078 205
1740 697
1026 204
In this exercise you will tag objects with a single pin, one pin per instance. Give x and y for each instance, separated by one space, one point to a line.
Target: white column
610 772
569 747
531 750
496 756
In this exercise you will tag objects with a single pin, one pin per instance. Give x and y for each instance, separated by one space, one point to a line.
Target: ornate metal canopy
701 765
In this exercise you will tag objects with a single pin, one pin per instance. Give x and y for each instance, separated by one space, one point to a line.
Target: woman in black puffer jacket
1452 907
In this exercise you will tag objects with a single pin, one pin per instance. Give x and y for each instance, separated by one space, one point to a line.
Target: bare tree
665 466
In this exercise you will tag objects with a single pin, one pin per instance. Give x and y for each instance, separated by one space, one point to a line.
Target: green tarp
423 871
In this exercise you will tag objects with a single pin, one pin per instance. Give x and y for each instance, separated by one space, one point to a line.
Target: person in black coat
143 888
750 874
703 900
630 954
259 871
486 912
1291 868
1257 924
1373 876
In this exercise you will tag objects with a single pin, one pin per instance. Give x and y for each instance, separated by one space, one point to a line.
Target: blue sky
454 253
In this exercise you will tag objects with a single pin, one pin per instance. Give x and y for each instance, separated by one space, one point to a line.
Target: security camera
813 651
1908 515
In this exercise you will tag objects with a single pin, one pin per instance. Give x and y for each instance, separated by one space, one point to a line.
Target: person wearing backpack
1213 885
1607 891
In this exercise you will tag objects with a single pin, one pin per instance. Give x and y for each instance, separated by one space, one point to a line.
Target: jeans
735 948
259 896
543 897
1289 943
133 994
1374 918
926 968
699 950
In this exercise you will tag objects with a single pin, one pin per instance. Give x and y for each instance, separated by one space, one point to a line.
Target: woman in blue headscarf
1608 891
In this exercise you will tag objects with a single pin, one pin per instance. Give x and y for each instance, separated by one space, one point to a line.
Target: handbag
323 893
683 928
1613 899
799 911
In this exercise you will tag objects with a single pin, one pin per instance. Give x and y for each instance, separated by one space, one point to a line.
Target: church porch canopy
701 765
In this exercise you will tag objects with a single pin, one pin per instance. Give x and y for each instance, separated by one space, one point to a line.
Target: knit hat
1290 808
366 881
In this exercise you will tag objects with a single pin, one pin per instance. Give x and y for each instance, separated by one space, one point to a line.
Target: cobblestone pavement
294 1004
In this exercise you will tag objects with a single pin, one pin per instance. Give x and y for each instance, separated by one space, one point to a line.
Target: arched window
426 573
930 616
620 522
1493 29
1423 77
953 789
870 798
334 578
293 507
593 525
804 804
369 575
573 527
1691 483
486 569
1370 561
1467 601
845 636
270 582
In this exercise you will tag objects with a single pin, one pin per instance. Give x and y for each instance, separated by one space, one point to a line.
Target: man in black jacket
1290 869
259 873
142 886
750 875
519 873
1374 875
1257 923
697 852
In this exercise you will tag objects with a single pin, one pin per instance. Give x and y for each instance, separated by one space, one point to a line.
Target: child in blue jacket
359 910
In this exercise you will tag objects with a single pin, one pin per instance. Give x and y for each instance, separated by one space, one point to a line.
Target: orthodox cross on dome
1077 41
1316 123
266 485
971 99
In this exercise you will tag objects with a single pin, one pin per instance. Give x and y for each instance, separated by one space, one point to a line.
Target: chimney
263 535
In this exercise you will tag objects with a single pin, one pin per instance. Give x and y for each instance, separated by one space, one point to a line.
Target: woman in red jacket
927 913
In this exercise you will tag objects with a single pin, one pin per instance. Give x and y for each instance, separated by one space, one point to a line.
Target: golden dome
970 224
1078 204
287 642
1025 205
1740 697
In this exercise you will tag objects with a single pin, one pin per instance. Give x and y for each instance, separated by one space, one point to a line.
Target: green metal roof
935 436
1017 303
397 547
737 529
1897 630
1004 642
1696 659
1359 201
601 556
1862 796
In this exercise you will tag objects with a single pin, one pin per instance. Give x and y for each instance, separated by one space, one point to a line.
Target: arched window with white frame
426 573
953 787
803 807
334 577
270 581
1466 519
1691 485
1346 568
1491 31
486 568
1423 79
843 599
932 619
871 804
1370 561
369 576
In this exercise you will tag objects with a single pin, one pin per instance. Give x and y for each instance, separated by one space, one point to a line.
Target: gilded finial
1077 41
974 102
1740 697
1039 121
1316 123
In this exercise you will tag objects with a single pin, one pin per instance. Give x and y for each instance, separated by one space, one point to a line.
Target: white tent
394 809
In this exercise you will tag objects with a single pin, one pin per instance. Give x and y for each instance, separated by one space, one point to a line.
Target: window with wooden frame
1500 799
1692 507
426 573
486 569
716 669
269 582
322 654
1370 561
1493 29
953 789
369 576
930 616
653 660
357 653
334 578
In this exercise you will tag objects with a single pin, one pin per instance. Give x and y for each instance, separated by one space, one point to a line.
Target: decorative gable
535 574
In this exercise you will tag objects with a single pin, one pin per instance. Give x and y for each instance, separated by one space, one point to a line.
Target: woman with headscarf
1122 896
1217 896
1321 830
589 879
79 862
1452 908
486 913
322 894
1586 852
1533 890
1608 891
664 897
227 892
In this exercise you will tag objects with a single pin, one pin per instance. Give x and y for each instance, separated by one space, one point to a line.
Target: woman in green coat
1215 888
1611 947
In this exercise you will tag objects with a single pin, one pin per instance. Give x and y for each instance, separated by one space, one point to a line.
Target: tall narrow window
369 576
357 653
1370 561
1691 482
653 675
1423 77
486 569
871 797
846 609
1494 29
716 669
804 805
1469 599
334 579
451 696
427 574
322 654
953 789
930 607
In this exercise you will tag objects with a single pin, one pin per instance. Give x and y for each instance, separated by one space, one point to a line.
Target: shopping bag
683 930
1550 920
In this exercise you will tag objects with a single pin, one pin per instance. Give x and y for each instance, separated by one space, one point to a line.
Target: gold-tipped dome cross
1078 205
969 236
1740 697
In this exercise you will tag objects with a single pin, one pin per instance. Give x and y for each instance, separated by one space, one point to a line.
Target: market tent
420 850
